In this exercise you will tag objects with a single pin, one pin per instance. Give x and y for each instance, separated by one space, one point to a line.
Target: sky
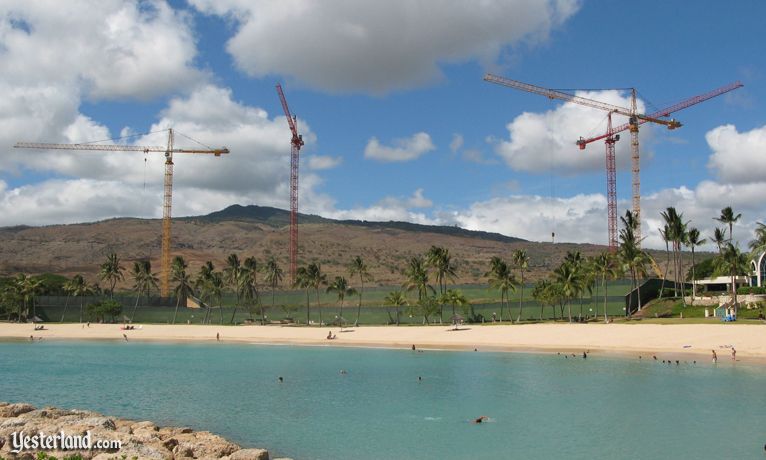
391 102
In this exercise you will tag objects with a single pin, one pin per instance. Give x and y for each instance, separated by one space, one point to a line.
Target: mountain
262 232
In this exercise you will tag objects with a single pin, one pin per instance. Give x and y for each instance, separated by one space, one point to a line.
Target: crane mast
296 142
167 202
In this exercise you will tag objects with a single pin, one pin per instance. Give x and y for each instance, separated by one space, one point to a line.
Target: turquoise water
540 406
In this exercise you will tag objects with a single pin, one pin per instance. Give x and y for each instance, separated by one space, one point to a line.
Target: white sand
676 339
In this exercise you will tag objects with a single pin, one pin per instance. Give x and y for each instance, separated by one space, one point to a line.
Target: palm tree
455 298
274 275
358 267
664 235
567 275
719 238
732 262
341 288
577 263
303 281
693 240
182 281
316 279
233 274
727 217
440 259
501 278
203 285
27 288
216 285
541 293
249 286
68 287
144 280
80 288
604 267
396 299
634 259
520 261
759 243
111 272
417 278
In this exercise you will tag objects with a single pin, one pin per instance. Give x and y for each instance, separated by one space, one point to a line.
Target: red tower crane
296 143
611 136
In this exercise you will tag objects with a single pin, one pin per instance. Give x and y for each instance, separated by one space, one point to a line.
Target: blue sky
398 121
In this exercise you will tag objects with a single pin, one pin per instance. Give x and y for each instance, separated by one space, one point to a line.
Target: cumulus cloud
377 47
389 208
405 149
737 157
456 143
319 162
546 141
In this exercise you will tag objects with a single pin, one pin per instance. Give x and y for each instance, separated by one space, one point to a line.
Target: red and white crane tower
610 137
296 142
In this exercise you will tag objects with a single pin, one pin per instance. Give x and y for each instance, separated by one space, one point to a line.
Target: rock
144 426
102 422
250 454
170 444
14 410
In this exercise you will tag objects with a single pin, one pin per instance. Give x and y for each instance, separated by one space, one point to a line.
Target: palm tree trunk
220 309
359 308
397 315
569 310
638 294
178 301
135 307
521 299
308 309
319 307
66 303
694 278
81 307
340 315
606 318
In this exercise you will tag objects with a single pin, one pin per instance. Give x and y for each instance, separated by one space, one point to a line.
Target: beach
677 339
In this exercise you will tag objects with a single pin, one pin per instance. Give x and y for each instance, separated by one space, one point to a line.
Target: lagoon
540 405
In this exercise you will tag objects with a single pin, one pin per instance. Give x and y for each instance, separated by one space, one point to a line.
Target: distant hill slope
262 232
280 217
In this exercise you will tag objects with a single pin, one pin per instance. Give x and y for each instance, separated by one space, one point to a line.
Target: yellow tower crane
167 203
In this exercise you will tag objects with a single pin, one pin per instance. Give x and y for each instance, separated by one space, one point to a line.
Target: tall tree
502 279
631 255
274 274
604 267
520 261
357 267
664 235
758 244
143 281
732 262
719 238
249 287
111 272
317 279
203 284
183 284
440 260
728 217
303 281
693 240
340 287
396 299
417 278
233 276
568 277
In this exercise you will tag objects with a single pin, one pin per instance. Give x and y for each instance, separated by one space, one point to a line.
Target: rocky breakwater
139 440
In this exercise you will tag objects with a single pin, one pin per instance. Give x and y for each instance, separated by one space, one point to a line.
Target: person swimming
481 419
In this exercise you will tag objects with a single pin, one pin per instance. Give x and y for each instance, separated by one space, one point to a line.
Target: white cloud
403 150
377 47
546 141
737 157
389 208
319 162
456 143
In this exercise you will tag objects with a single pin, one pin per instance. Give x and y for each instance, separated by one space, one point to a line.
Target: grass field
292 304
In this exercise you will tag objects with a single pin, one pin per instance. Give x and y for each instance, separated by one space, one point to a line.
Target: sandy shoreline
678 339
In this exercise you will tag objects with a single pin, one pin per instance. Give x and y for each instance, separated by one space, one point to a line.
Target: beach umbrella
456 320
37 319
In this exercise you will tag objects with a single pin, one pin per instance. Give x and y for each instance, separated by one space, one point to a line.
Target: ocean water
540 406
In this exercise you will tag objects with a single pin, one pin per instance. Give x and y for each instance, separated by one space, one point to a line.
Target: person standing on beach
733 354
715 357
217 337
